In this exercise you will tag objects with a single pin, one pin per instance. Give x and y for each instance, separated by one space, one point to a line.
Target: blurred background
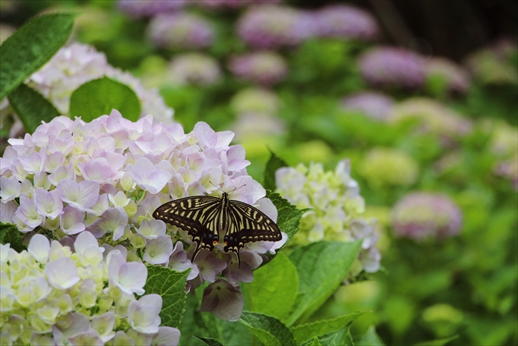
420 95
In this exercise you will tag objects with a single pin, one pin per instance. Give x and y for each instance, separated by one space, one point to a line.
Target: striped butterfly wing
194 215
248 224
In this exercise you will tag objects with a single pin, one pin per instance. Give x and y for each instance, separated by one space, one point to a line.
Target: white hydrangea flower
77 64
43 298
108 176
336 207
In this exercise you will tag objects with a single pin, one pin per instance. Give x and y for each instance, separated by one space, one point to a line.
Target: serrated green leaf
288 218
268 330
210 341
322 266
10 234
273 164
101 96
370 338
29 48
274 289
438 342
306 331
340 338
170 285
31 107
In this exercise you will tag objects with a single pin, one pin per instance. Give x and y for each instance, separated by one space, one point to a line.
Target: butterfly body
212 221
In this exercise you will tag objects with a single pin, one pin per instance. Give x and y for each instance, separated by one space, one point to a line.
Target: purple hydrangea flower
149 8
271 26
392 67
422 215
372 104
455 77
264 68
345 21
232 4
181 31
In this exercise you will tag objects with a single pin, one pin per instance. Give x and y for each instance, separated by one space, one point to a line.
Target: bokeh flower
433 117
372 104
337 207
272 26
423 215
77 64
494 64
55 294
454 77
265 67
250 126
392 67
255 100
193 69
180 31
149 8
109 175
232 4
345 21
383 167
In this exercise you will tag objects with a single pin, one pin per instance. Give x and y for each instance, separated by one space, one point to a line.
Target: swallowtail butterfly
211 220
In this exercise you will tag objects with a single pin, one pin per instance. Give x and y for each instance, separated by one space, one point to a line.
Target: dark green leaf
210 341
288 215
25 51
438 342
31 107
306 331
268 330
312 342
101 96
322 267
274 289
273 164
10 234
170 285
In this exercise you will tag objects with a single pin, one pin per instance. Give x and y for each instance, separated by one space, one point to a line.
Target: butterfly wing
247 224
193 215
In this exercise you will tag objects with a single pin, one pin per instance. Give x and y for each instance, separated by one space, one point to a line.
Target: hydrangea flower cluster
392 67
494 64
434 117
108 176
193 69
374 105
231 4
345 21
77 64
273 26
388 167
336 204
252 126
454 76
266 68
53 295
255 100
149 8
422 215
180 31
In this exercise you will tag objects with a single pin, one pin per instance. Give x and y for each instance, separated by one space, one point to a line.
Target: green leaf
370 338
438 342
10 234
268 330
170 285
29 48
273 164
288 218
274 289
31 107
340 338
312 342
210 341
101 96
322 266
306 331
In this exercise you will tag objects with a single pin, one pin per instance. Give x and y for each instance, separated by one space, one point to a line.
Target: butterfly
213 220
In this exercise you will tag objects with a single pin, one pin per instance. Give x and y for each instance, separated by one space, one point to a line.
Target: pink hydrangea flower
345 21
180 31
264 67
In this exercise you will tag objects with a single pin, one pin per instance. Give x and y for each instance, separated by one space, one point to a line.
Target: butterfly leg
196 251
